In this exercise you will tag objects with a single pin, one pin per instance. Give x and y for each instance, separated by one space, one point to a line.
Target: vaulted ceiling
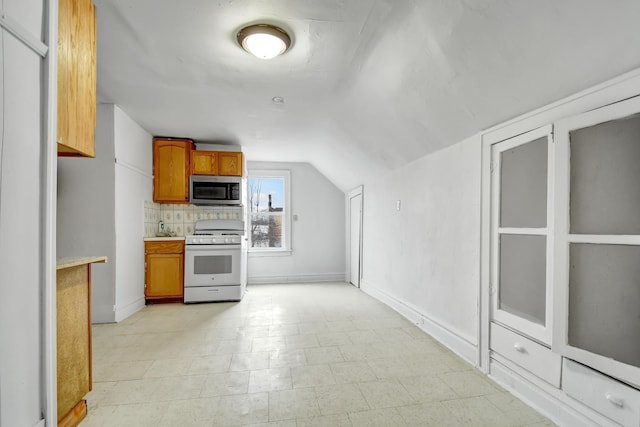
368 85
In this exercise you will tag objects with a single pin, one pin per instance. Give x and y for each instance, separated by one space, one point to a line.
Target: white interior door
355 220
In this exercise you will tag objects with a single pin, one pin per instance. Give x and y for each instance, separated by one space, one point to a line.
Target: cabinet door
598 239
76 78
171 160
229 163
164 275
521 241
204 163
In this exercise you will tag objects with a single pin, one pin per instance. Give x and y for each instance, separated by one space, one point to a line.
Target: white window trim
286 249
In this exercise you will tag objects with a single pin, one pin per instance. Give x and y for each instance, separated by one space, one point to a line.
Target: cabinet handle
519 348
616 401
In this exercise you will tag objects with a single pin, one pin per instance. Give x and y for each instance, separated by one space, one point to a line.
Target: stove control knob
227 240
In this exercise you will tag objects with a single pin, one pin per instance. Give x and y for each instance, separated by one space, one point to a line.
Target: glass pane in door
605 178
212 264
523 271
604 300
523 185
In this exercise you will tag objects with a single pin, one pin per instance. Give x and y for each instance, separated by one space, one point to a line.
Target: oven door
211 265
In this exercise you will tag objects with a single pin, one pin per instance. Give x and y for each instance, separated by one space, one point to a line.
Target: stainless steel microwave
215 190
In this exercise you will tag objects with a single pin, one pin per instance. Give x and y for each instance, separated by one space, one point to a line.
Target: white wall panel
426 255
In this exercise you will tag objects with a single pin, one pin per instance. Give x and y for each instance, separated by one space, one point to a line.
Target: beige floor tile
341 398
242 409
266 380
432 414
129 392
311 376
469 383
269 344
287 358
178 388
477 411
333 338
428 388
515 408
249 361
286 423
226 384
136 415
387 417
191 412
340 420
385 394
209 364
363 336
352 372
292 404
239 345
323 355
295 342
283 330
168 368
287 355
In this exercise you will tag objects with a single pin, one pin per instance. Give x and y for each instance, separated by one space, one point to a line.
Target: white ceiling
369 85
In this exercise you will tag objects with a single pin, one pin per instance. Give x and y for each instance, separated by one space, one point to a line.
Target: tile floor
287 355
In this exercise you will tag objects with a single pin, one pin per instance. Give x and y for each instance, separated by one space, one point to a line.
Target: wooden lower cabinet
164 270
73 335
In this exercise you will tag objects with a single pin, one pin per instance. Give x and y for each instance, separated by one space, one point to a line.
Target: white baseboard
126 311
544 398
296 278
456 343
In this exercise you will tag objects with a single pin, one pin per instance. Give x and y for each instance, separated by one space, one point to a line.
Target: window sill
269 253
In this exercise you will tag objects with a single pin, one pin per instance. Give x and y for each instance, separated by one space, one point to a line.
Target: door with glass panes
597 297
521 233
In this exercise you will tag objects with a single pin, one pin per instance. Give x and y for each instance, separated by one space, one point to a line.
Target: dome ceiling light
264 41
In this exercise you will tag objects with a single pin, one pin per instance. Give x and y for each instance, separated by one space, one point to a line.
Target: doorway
354 236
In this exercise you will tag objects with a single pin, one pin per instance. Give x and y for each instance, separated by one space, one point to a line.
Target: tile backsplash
181 218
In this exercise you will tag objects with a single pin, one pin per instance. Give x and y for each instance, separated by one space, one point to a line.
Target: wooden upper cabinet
204 163
171 167
229 163
76 78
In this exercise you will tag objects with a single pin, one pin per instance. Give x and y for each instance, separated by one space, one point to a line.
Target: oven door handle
209 248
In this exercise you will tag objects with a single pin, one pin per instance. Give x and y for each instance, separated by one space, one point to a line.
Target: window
269 201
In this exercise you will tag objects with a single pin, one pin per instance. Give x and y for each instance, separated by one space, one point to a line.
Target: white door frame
358 191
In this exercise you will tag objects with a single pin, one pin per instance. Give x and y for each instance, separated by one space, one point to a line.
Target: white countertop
159 239
68 262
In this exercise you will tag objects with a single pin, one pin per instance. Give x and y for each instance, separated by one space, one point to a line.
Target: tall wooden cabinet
164 269
76 78
171 167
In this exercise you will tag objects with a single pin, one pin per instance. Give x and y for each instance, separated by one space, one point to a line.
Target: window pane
266 194
266 201
266 230
604 300
605 195
523 185
523 272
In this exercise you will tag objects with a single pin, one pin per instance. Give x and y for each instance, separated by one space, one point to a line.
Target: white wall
133 185
100 212
424 259
86 215
317 236
21 271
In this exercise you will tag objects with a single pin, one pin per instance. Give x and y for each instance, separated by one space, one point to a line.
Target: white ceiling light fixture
264 41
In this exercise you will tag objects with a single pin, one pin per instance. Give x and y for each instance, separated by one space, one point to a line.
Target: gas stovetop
217 232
